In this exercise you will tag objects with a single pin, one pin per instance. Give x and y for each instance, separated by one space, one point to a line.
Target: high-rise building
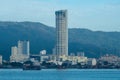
14 50
15 57
61 32
20 53
0 59
23 47
14 54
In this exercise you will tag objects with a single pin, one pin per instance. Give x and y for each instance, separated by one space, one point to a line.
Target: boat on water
31 68
28 65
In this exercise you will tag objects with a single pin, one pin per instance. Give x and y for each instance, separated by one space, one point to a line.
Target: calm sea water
53 74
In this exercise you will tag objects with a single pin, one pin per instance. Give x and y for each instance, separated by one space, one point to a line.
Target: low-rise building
73 59
44 58
91 61
110 58
35 57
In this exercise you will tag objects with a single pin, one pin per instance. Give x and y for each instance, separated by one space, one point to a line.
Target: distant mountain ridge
93 43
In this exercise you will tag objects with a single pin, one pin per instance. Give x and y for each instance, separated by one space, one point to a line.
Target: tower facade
23 47
61 32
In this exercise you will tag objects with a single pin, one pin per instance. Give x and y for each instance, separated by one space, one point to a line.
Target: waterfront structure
44 58
61 33
110 58
91 62
35 57
24 47
73 59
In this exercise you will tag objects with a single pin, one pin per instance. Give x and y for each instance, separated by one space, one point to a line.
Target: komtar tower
61 33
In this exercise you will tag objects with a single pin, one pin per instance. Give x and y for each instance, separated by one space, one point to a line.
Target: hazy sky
91 14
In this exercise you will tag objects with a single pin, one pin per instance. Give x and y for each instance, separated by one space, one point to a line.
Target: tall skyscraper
61 32
23 47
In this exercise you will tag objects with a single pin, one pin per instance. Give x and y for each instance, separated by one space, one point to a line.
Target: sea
60 74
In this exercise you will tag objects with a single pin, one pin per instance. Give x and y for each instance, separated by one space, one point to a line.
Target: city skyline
95 15
59 39
62 36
